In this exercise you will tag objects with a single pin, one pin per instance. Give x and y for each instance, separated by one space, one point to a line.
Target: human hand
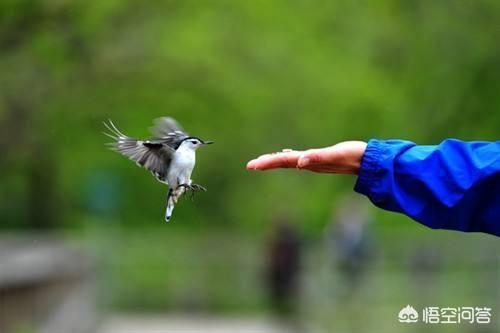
344 157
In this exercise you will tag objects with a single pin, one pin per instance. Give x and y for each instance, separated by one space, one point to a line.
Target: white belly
180 169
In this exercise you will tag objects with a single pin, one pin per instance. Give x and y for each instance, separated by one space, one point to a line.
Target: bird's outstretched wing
164 126
169 131
154 155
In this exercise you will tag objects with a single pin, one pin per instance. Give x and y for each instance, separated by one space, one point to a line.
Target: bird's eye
193 142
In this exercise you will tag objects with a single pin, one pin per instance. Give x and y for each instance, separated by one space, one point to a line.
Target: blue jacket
454 185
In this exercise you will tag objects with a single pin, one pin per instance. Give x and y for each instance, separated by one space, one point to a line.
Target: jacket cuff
370 170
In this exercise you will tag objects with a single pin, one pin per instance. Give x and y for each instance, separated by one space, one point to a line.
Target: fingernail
251 165
303 161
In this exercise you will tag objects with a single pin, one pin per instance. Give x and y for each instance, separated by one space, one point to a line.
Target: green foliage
254 76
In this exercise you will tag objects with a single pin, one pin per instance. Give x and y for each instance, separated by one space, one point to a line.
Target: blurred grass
172 267
169 267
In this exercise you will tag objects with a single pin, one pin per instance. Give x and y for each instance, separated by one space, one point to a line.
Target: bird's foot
198 188
185 186
193 188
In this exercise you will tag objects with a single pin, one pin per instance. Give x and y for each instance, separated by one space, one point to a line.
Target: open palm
344 157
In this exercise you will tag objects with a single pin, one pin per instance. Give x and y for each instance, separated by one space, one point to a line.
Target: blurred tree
254 76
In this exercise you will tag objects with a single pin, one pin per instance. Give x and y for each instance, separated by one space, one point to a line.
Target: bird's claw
193 189
198 188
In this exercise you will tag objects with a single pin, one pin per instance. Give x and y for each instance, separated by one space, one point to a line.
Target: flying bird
170 156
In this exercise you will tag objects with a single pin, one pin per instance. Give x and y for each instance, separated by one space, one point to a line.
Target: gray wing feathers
151 154
169 131
165 127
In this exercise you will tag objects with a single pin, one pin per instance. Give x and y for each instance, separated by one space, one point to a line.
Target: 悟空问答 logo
408 315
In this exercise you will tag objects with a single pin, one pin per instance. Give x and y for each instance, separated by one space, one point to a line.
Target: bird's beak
208 142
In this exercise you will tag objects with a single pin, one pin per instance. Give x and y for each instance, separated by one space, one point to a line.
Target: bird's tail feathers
172 198
122 143
170 205
115 132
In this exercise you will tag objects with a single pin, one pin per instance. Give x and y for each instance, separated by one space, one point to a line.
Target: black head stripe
186 138
192 138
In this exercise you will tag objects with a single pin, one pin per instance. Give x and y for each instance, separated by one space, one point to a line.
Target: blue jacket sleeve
454 185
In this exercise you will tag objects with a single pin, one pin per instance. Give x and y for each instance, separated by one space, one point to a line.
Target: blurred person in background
454 185
348 241
282 268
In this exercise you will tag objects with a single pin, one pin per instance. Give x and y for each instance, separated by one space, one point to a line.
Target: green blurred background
254 76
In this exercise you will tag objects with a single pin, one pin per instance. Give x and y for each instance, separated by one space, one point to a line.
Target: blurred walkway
188 324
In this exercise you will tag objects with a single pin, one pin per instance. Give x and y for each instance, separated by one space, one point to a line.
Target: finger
329 160
315 157
272 161
285 159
